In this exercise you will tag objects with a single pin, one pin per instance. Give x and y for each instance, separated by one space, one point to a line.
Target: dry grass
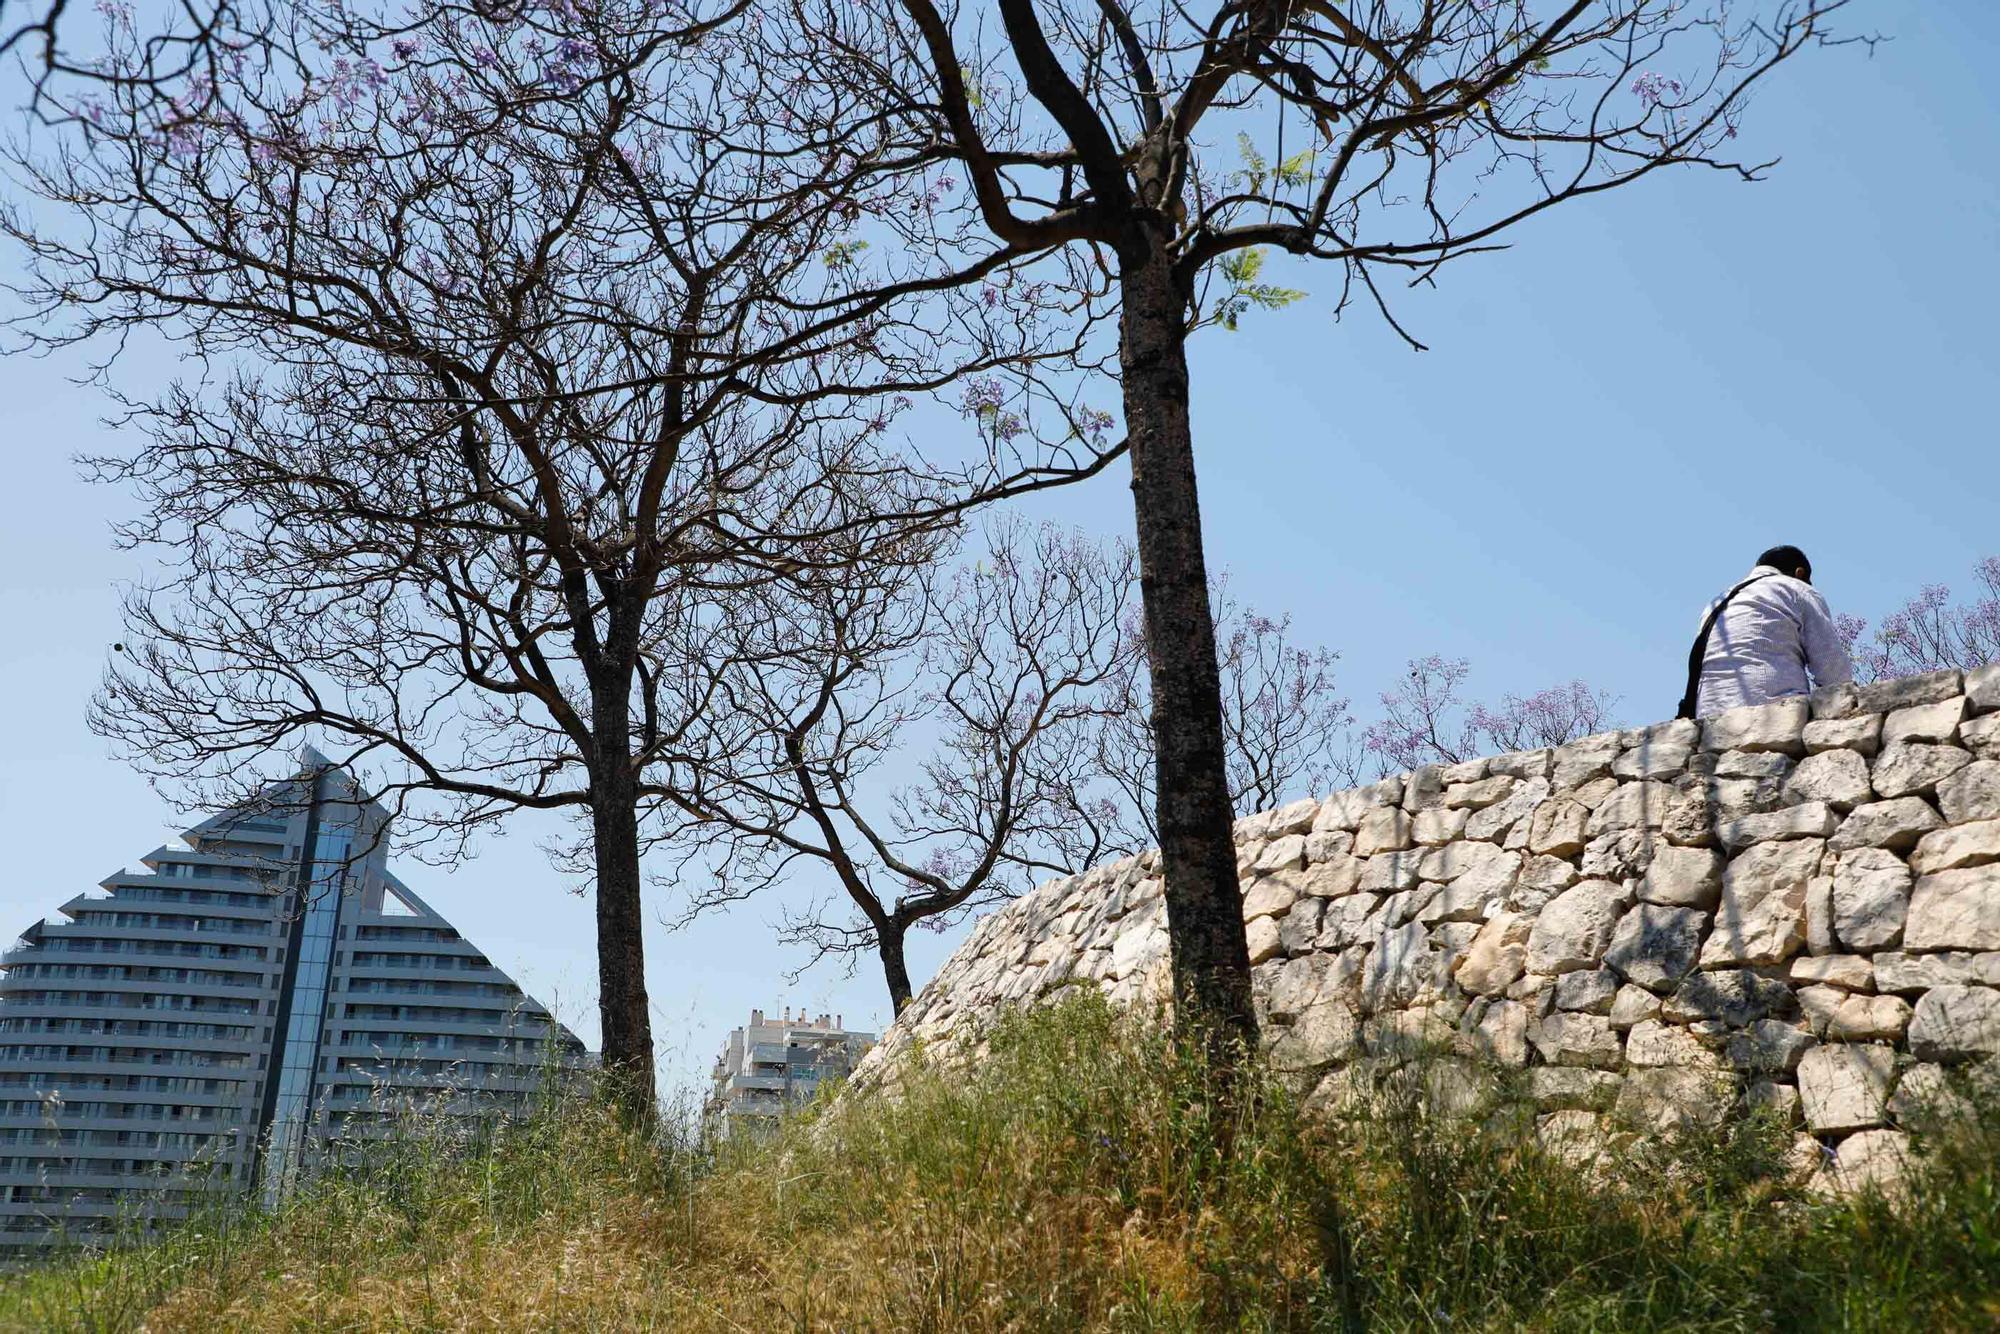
1070 1183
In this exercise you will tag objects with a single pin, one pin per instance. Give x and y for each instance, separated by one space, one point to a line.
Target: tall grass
1071 1180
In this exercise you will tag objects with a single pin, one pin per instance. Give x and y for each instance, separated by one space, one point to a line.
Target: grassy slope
1070 1183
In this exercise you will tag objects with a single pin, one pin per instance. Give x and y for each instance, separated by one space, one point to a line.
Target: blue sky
1615 416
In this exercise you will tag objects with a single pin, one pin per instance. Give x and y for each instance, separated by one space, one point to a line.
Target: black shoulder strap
1700 649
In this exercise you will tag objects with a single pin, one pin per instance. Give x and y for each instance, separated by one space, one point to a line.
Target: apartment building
770 1066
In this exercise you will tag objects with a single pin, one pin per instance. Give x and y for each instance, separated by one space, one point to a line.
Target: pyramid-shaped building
248 1003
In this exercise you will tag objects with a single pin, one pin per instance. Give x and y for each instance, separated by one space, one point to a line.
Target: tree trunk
889 946
1211 956
622 1006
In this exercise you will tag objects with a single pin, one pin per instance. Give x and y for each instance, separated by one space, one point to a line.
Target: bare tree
1930 632
1178 146
1427 720
526 346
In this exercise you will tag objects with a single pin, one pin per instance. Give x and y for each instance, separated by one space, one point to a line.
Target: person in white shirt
1774 637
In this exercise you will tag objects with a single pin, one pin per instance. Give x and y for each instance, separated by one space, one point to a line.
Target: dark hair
1787 559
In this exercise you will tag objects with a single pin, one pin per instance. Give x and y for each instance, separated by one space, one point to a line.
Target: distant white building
770 1066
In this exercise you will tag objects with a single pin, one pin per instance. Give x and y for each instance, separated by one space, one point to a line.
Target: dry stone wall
1794 907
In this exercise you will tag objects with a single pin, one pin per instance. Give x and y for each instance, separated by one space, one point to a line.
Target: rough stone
1914 767
1903 691
1575 927
1757 764
1490 867
1972 844
1268 898
1328 844
1498 955
1973 793
1332 877
1778 1102
1593 794
1438 825
1681 816
1571 1088
1761 915
1955 910
1322 1035
1547 875
1522 764
1909 973
1264 939
1656 946
1282 854
1779 725
1382 829
1296 818
1819 916
1580 761
1924 722
1389 871
1423 788
1343 810
1849 972
1956 1023
1664 1100
1871 897
1931 1099
1653 1043
1480 794
1573 1137
1653 759
1874 1162
1397 969
1495 820
1632 1005
1846 1087
1301 983
1683 877
1843 1016
1838 778
1577 1039
1812 820
1768 1046
1896 825
1620 855
1559 828
1981 736
1982 686
1589 992
1736 996
1298 930
1502 1033
1862 735
1835 701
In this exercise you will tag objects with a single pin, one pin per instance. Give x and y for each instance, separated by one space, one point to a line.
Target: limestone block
1479 794
1331 877
1973 844
1981 736
1573 930
1838 778
1390 871
1914 768
1683 877
1846 1017
1382 829
1502 1033
1497 956
1523 764
1874 1162
1558 828
1812 820
1982 686
1761 915
1756 764
1632 1005
1931 1099
1497 819
1328 844
1653 1043
1767 1046
1666 1099
1653 759
1846 1087
1955 1023
1734 798
1346 922
1323 1034
1682 816
1778 1102
1862 735
1871 897
1269 898
1903 691
1549 875
1835 701
1580 761
1620 855
1398 968
1295 818
1252 828
1819 915
1438 825
1908 973
1924 722
1408 906
1593 794
1896 825
1587 992
1955 910
1309 979
1735 996
1298 930
1571 1088
1849 972
1973 793
1577 1039
1401 1033
1655 946
1263 936
1343 810
1281 854
1779 725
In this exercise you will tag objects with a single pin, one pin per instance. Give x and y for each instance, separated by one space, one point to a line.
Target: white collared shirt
1765 643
